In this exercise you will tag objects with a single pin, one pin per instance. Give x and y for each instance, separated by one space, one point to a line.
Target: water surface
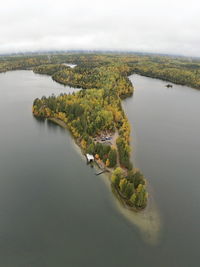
165 132
55 212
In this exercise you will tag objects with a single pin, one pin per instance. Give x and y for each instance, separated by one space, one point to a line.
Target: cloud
147 25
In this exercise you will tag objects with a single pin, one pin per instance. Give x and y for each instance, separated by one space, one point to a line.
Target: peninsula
94 115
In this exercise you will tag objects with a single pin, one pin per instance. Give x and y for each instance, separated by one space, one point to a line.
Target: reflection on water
53 126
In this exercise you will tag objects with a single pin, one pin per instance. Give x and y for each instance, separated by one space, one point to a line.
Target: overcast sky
161 26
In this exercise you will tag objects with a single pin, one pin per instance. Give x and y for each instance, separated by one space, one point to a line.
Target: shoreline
58 122
108 171
166 80
147 220
130 185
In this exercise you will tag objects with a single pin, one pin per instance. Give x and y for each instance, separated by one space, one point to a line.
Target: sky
155 26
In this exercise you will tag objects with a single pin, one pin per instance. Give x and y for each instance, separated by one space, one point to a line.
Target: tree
129 190
107 163
141 196
117 176
133 198
83 144
112 156
91 149
122 185
137 179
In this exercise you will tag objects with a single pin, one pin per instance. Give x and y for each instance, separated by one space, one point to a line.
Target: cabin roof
89 157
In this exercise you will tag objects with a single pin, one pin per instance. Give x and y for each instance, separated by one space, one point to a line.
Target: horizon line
93 51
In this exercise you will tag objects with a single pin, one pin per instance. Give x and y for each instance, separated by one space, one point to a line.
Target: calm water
166 135
55 212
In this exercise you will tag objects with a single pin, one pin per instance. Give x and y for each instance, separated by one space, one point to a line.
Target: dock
102 171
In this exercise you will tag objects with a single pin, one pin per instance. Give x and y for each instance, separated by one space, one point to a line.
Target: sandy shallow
148 221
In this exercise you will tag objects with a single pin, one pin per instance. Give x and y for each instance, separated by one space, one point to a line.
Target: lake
165 132
54 211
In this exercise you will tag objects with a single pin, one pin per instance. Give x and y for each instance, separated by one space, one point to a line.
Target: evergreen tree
112 156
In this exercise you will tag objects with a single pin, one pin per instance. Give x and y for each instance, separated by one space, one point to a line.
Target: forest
180 70
96 109
94 112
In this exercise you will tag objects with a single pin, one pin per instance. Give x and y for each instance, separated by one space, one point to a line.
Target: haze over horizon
152 26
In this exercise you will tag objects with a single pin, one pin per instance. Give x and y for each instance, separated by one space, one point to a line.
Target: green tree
141 196
91 149
112 156
129 190
137 179
117 176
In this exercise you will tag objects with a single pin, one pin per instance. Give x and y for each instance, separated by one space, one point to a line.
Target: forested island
96 112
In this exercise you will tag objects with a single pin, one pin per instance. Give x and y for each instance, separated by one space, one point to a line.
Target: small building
90 158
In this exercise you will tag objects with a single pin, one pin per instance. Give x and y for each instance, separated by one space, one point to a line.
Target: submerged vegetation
97 112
